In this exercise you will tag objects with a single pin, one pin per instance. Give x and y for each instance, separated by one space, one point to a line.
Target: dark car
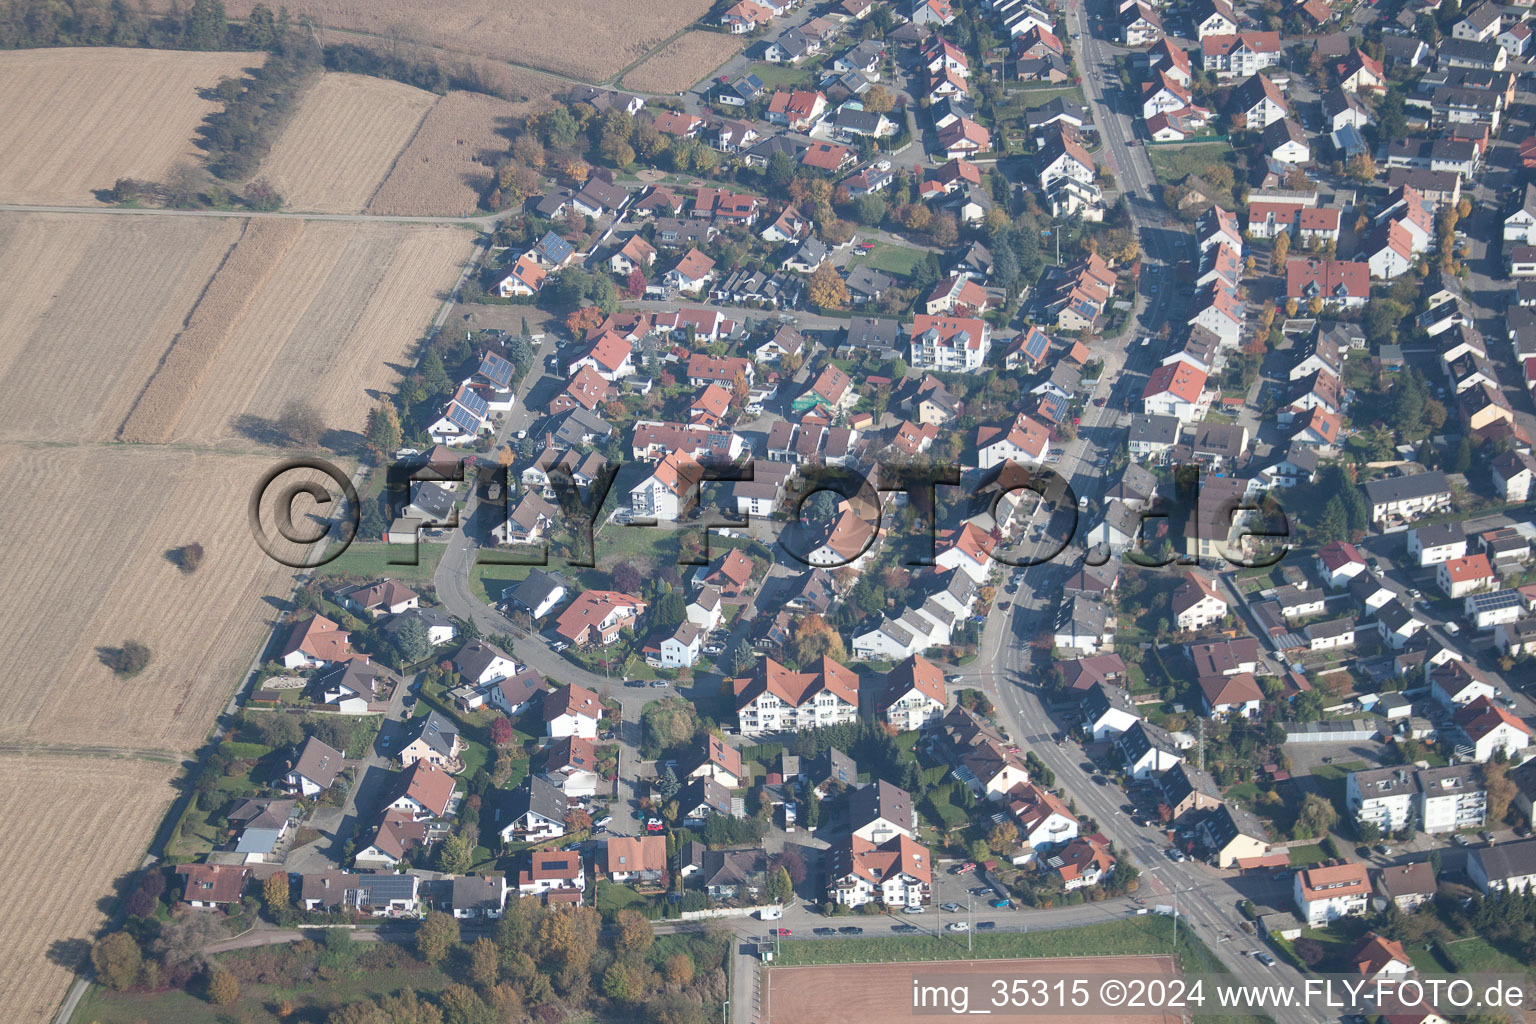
904 928
636 684
823 931
985 926
850 929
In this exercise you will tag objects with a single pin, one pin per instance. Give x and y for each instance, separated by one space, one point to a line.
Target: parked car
903 928
957 926
658 682
969 865
850 929
985 926
1459 839
951 907
823 931
1384 849
603 822
913 910
781 932
636 683
654 825
1002 904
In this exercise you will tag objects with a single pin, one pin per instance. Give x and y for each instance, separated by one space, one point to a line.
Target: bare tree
301 424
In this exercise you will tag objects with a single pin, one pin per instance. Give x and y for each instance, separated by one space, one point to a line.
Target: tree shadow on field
68 953
260 429
344 442
122 885
110 656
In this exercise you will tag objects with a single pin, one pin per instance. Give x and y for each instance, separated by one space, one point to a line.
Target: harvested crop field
77 119
683 62
88 822
878 993
92 303
96 573
333 325
450 165
342 141
220 310
587 39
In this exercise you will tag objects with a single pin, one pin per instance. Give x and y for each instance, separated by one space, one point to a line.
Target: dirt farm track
880 993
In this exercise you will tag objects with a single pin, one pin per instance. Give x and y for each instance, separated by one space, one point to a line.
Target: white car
912 910
957 926
603 822
1452 628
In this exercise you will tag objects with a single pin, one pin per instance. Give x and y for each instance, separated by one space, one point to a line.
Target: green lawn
1305 856
893 259
488 580
312 1002
782 76
1022 99
373 559
1172 163
1477 955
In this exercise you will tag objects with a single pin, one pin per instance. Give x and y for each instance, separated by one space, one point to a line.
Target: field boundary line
618 77
967 959
185 323
395 160
207 330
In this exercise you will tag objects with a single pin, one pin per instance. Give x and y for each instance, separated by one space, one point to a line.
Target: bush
128 660
223 989
190 557
1310 951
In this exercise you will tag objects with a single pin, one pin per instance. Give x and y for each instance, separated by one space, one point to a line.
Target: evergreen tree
383 433
1333 523
1462 460
206 27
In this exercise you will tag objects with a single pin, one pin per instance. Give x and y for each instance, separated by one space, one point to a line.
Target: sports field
878 993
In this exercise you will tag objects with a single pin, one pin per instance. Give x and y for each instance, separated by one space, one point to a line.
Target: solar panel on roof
1036 344
1497 599
463 419
496 369
473 402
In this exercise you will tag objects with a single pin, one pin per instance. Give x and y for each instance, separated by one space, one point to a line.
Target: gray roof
1439 534
476 656
1402 488
1507 860
1101 698
432 498
866 280
318 762
881 800
1056 108
428 617
1231 820
1183 779
536 589
540 797
434 730
1163 430
477 892
873 332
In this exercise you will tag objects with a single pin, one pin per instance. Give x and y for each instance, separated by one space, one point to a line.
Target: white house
572 711
1324 895
668 492
1197 603
1107 711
